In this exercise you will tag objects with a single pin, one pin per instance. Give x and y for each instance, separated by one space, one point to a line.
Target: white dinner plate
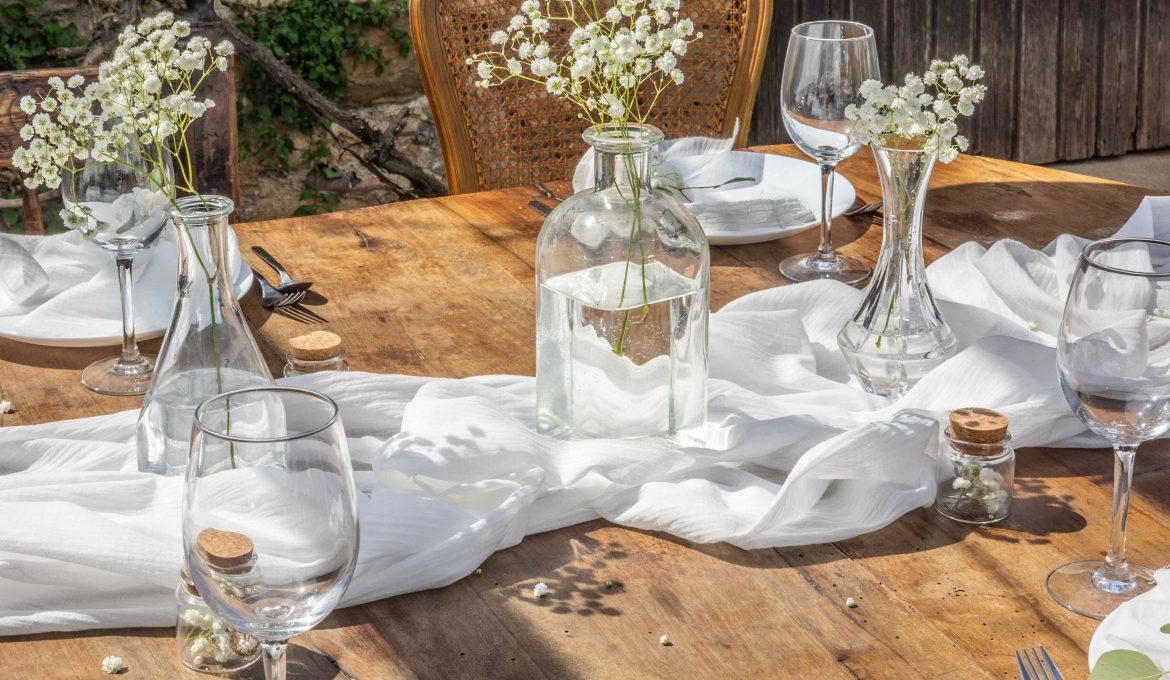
108 331
777 176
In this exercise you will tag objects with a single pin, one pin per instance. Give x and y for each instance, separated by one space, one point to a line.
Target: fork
864 209
287 283
272 298
1035 664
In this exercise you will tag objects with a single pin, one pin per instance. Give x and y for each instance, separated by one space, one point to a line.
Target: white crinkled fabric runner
452 470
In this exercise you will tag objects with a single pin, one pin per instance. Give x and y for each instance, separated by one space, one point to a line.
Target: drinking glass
1113 355
270 526
123 206
826 64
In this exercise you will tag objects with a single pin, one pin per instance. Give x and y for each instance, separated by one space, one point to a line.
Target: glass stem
825 249
1116 564
125 288
274 659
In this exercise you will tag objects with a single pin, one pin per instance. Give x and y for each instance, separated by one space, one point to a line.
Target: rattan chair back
517 134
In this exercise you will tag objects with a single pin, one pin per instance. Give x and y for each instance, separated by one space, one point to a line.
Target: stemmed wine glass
270 526
1113 353
119 206
826 64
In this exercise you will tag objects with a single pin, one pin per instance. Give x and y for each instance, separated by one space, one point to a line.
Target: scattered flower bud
851 603
665 641
112 664
541 590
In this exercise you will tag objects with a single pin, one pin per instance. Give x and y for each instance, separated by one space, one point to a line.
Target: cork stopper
982 429
224 550
315 346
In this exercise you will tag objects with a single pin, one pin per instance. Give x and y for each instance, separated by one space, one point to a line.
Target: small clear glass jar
982 468
321 350
204 640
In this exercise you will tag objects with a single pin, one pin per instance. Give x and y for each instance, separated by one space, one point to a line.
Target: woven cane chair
13 86
517 134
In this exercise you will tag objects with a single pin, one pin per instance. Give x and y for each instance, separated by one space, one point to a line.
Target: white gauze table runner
452 470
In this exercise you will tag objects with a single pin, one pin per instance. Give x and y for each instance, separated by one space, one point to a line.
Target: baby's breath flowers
977 490
910 115
112 664
613 54
145 93
541 590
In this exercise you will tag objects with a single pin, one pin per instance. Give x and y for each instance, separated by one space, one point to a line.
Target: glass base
115 378
810 267
1083 587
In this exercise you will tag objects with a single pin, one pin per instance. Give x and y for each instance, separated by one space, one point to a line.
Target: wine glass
270 526
1113 353
120 207
826 64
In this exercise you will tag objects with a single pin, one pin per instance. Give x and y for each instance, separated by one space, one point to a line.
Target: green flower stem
635 203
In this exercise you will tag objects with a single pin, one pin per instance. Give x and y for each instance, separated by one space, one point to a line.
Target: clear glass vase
623 275
897 335
207 349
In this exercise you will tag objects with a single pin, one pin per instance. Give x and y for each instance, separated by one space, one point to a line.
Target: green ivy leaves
27 39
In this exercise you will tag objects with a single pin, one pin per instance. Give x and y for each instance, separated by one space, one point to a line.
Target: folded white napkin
452 470
707 162
1137 625
62 287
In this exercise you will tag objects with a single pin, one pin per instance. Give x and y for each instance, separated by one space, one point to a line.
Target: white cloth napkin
1137 625
63 287
707 162
452 470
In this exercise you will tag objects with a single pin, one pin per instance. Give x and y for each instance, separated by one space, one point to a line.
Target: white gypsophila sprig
146 92
922 110
613 54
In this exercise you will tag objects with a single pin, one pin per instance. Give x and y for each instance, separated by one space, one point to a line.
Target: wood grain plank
875 14
956 29
991 126
1039 54
1079 62
767 121
1154 119
911 21
1117 104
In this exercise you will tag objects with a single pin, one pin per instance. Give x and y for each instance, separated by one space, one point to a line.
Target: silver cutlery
1035 664
864 209
540 208
273 298
287 283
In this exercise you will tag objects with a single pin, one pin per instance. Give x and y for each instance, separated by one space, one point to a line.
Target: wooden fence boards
1067 79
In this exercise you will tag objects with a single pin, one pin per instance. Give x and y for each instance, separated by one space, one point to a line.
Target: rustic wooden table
445 287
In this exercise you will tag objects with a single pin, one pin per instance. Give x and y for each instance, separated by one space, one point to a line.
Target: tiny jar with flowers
982 467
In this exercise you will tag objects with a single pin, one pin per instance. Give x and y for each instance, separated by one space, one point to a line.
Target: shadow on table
1032 212
66 358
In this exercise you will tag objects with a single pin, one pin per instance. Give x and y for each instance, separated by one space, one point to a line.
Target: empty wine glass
270 526
826 64
119 206
1113 353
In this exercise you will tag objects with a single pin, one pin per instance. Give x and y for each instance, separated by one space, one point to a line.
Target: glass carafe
208 348
623 278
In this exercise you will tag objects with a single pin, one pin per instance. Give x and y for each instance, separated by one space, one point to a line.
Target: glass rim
208 207
336 412
1106 244
613 136
866 33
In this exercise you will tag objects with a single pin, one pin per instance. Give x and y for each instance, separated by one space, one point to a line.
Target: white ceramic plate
108 331
777 176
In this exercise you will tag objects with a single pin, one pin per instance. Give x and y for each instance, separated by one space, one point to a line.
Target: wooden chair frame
442 85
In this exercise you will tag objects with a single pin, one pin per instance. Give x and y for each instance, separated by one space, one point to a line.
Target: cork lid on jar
225 550
978 431
315 346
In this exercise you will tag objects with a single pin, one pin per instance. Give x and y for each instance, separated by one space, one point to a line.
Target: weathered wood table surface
445 287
